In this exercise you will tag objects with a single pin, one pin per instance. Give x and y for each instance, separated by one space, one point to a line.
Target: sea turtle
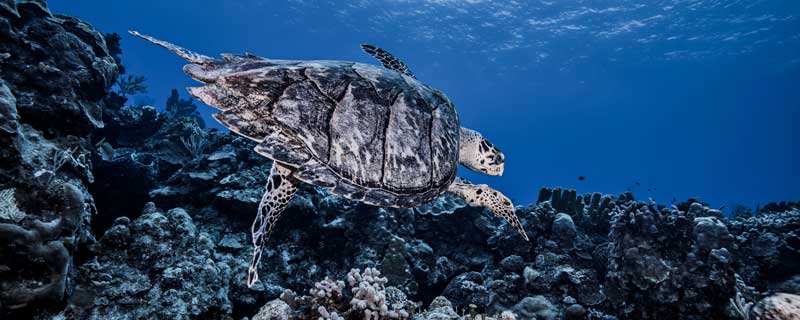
366 133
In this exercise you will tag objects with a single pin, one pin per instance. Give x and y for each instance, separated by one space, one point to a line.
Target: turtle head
480 155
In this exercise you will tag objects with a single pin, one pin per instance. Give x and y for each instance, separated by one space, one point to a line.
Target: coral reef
768 250
368 298
76 162
37 254
156 266
58 67
695 267
55 72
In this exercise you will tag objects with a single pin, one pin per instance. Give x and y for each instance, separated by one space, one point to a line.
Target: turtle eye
499 158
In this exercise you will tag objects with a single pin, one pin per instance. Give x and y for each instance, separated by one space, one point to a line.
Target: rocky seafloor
112 211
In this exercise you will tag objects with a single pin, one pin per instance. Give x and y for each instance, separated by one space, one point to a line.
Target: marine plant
128 85
178 107
196 142
58 159
114 46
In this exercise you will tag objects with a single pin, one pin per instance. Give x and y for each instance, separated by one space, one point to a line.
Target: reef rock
694 266
537 307
55 72
768 249
158 265
37 254
274 310
58 67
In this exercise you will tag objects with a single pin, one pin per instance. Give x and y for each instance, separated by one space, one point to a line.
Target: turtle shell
364 132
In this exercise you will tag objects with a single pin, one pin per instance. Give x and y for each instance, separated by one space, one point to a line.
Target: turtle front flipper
484 196
280 189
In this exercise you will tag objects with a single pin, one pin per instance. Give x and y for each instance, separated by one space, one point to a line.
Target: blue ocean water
668 99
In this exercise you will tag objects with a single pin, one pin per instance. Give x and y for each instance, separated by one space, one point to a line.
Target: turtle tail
190 56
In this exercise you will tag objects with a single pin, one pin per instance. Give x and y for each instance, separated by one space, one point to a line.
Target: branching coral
8 206
325 294
369 295
740 306
370 300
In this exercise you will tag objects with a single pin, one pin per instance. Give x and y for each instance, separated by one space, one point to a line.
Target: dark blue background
687 98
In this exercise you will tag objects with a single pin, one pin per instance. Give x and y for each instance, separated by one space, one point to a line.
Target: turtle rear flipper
189 55
203 68
281 146
387 59
218 97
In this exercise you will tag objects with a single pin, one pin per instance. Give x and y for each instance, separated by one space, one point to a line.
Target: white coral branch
8 206
741 306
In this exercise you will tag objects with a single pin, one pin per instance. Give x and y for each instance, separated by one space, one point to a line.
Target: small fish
581 178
